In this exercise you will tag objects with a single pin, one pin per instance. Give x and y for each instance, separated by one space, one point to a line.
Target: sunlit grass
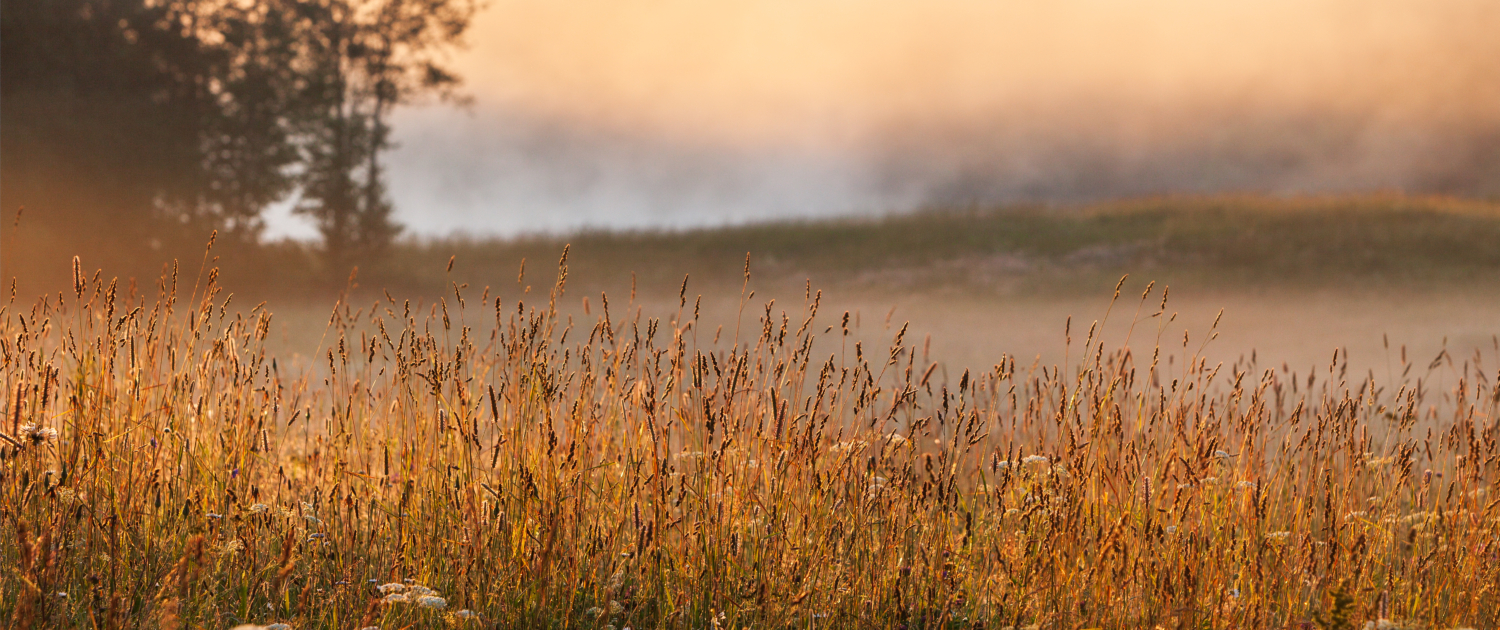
480 463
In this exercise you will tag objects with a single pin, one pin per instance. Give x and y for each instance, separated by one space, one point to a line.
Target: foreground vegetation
491 463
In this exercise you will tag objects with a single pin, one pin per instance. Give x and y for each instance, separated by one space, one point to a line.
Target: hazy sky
673 113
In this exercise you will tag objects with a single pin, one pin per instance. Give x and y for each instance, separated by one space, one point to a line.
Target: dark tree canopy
130 125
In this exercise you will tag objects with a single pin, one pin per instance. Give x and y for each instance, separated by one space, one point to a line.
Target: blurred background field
1297 279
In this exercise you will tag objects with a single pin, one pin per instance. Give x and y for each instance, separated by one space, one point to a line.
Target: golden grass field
483 461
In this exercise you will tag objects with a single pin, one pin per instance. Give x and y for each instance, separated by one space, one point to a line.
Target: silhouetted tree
131 122
370 56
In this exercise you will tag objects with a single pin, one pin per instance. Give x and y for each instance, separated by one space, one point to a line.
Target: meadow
525 456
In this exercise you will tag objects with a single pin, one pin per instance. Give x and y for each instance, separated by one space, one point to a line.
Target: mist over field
677 114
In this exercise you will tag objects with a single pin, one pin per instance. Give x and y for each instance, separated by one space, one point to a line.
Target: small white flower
393 587
396 598
37 434
615 607
1247 485
466 614
1171 529
1278 536
417 590
432 601
259 507
1035 459
1002 464
1222 455
1355 515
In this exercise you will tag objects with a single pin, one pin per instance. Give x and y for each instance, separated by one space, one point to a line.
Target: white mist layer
615 114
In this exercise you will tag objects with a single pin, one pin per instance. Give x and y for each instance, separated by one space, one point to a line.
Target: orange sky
777 70
663 113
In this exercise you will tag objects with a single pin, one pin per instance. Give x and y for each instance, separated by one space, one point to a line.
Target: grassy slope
1229 242
1234 241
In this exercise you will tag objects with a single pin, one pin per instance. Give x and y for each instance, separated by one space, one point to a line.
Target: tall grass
485 463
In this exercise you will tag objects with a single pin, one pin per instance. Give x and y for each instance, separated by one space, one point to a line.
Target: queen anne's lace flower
37 434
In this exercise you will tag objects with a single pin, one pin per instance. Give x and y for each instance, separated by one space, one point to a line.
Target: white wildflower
1247 485
466 615
1278 536
37 434
690 455
393 587
1209 480
1035 459
396 598
615 607
432 601
1171 529
417 590
259 507
1222 455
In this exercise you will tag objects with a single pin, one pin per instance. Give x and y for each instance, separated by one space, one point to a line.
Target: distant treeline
132 128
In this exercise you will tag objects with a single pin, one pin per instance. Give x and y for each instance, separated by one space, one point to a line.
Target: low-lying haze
677 113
